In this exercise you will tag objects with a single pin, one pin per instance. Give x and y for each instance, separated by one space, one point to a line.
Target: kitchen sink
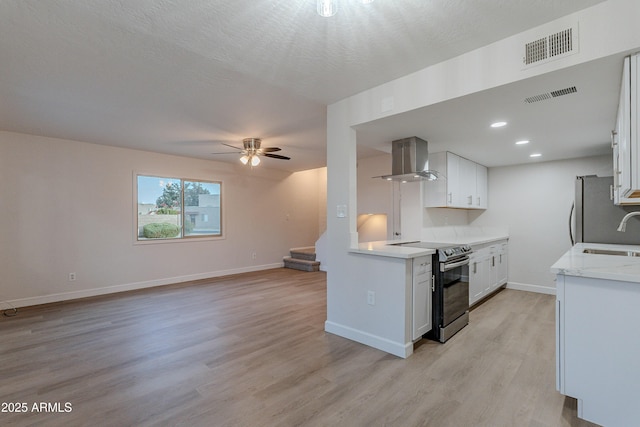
610 252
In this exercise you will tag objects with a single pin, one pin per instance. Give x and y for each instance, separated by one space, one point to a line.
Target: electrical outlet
72 277
253 255
371 298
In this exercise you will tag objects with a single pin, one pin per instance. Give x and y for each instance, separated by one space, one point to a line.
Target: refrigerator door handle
573 205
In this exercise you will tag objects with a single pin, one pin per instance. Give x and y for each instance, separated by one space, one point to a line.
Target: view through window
174 208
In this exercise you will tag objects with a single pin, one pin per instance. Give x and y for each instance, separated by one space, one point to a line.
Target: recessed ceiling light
524 141
498 124
535 155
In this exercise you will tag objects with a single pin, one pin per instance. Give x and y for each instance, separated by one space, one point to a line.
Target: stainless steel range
450 291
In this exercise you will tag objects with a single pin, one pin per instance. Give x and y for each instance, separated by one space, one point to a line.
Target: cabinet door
480 201
622 176
422 281
436 193
615 146
634 125
477 277
498 264
467 183
502 262
454 198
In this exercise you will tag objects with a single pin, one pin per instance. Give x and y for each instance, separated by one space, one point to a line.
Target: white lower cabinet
488 270
422 280
479 275
598 348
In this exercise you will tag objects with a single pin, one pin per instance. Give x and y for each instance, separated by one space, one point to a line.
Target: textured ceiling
177 76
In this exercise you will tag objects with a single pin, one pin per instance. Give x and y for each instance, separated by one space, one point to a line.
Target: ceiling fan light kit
251 151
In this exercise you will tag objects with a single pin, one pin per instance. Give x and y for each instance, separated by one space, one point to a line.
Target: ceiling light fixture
498 124
523 142
328 8
535 155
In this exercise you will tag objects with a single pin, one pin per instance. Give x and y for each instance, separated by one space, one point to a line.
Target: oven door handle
447 267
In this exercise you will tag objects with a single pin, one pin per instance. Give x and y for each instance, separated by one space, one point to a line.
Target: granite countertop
609 267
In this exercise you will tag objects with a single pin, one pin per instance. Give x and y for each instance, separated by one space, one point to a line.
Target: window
174 208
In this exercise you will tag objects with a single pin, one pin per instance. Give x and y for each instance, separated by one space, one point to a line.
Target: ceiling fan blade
237 148
228 152
277 156
270 149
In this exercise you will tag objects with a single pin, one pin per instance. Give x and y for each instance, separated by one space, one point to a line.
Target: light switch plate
341 211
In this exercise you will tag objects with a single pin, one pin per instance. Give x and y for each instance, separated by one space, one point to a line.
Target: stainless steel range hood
410 161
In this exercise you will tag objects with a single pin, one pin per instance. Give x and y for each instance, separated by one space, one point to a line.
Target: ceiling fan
252 151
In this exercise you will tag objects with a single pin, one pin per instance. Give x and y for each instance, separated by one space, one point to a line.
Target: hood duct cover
410 161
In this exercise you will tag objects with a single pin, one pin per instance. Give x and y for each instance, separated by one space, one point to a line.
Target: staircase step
301 264
308 253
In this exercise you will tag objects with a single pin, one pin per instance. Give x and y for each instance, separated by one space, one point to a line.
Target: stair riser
302 267
303 255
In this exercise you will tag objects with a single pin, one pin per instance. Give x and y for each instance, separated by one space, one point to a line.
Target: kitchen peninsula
597 334
386 300
379 302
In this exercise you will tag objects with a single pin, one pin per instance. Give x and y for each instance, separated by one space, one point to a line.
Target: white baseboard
395 348
532 288
66 296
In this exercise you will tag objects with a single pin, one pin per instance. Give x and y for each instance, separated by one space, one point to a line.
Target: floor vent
553 46
552 94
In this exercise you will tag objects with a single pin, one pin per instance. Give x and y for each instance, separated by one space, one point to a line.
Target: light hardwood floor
250 350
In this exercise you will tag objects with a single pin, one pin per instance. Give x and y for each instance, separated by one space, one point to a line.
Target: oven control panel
446 254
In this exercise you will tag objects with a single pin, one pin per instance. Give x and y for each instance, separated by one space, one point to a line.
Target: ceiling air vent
552 94
550 47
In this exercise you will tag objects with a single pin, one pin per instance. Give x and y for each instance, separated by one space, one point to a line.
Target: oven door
455 289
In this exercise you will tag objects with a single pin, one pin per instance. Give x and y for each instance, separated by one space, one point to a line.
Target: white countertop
386 248
471 240
609 267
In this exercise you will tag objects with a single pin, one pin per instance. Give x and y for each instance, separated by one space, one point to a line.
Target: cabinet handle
613 134
475 267
470 202
450 197
500 258
478 201
493 261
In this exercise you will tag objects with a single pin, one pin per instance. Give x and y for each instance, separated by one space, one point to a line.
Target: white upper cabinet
624 139
481 187
465 185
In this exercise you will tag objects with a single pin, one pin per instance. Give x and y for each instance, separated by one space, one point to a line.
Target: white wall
68 207
534 201
375 195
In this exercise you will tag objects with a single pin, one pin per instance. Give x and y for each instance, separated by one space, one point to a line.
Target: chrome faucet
623 223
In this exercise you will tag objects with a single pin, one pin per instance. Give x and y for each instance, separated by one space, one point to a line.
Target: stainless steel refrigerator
597 218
